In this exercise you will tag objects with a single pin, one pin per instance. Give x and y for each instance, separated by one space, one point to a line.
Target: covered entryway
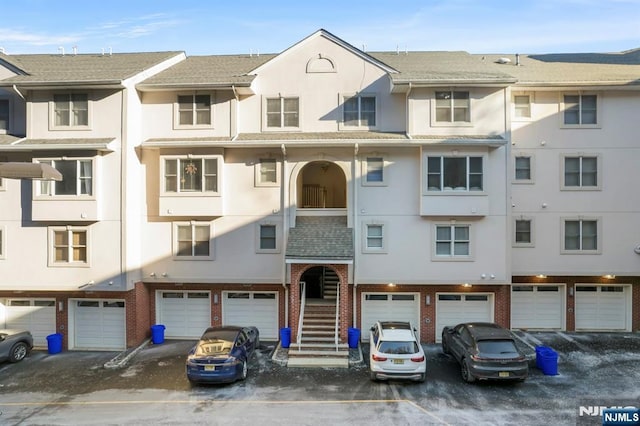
454 308
389 307
259 309
603 307
539 307
185 314
320 283
36 315
322 185
97 324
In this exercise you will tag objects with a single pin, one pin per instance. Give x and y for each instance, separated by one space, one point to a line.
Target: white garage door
454 308
602 307
258 309
537 307
36 315
389 307
185 314
98 324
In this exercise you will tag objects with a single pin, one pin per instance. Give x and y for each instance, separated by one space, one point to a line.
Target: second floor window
283 112
71 110
452 240
580 235
194 110
453 107
522 106
375 170
454 174
360 111
267 237
523 168
190 175
69 245
580 172
77 178
193 240
580 109
523 232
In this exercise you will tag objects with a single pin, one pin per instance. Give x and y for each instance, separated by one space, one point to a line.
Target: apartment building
434 187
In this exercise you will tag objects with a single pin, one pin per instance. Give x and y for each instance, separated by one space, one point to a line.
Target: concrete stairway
318 347
330 284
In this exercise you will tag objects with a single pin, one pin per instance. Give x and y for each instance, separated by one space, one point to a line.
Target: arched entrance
321 283
322 185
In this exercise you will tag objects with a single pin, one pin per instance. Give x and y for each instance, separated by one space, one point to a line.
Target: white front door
600 307
36 315
539 307
185 314
389 307
247 308
98 324
455 308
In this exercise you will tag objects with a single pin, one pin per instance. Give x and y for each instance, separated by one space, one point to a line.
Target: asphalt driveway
76 388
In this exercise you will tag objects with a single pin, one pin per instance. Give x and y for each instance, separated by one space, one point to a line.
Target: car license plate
504 374
398 361
209 368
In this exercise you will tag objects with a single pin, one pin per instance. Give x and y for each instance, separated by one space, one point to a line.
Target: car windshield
399 348
497 347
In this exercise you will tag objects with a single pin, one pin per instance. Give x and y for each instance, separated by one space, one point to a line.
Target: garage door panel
537 307
453 309
99 324
602 307
259 309
185 314
36 315
389 307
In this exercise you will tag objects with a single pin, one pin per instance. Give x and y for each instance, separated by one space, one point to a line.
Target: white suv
395 352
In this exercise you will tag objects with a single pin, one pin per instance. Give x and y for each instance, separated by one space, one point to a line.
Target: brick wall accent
138 318
297 269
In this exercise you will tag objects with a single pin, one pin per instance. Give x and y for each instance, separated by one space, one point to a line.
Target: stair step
319 339
311 327
319 320
318 362
320 345
311 352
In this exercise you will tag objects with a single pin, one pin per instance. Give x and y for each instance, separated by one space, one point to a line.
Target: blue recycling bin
285 337
353 335
54 343
157 334
547 360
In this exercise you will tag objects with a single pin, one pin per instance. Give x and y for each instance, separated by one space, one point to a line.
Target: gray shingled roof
320 237
290 136
7 139
570 68
84 68
209 70
100 144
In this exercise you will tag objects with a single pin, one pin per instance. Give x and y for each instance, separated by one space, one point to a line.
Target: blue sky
270 26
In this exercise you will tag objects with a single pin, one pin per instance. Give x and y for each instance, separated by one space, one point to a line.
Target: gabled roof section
320 238
80 69
326 34
206 72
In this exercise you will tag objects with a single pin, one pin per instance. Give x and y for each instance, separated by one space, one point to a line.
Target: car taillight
378 358
418 359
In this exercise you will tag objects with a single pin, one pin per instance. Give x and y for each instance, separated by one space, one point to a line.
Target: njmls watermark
609 413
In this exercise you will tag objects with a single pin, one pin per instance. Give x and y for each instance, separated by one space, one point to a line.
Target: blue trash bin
157 334
285 337
353 337
547 360
54 343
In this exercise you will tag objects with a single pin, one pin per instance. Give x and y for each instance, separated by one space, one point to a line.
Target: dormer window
194 110
70 110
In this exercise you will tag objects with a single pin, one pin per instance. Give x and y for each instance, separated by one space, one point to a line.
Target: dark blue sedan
222 354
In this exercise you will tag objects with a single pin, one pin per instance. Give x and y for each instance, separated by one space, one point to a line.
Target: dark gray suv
485 351
15 345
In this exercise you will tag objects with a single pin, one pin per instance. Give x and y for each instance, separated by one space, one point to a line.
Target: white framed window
452 242
268 237
523 232
523 170
69 246
267 172
580 110
581 235
374 171
193 240
191 174
359 111
3 242
522 106
451 107
581 172
4 116
459 173
70 111
193 111
374 237
282 113
77 178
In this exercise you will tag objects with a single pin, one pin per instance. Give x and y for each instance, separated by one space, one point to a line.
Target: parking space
75 385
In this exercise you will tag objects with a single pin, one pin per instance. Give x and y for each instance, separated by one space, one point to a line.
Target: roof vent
503 61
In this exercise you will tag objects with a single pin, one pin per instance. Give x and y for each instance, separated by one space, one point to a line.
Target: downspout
15 89
355 232
27 105
285 230
123 187
234 120
409 130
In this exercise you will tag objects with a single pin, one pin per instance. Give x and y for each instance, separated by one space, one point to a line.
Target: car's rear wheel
466 374
18 352
423 377
445 347
243 374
